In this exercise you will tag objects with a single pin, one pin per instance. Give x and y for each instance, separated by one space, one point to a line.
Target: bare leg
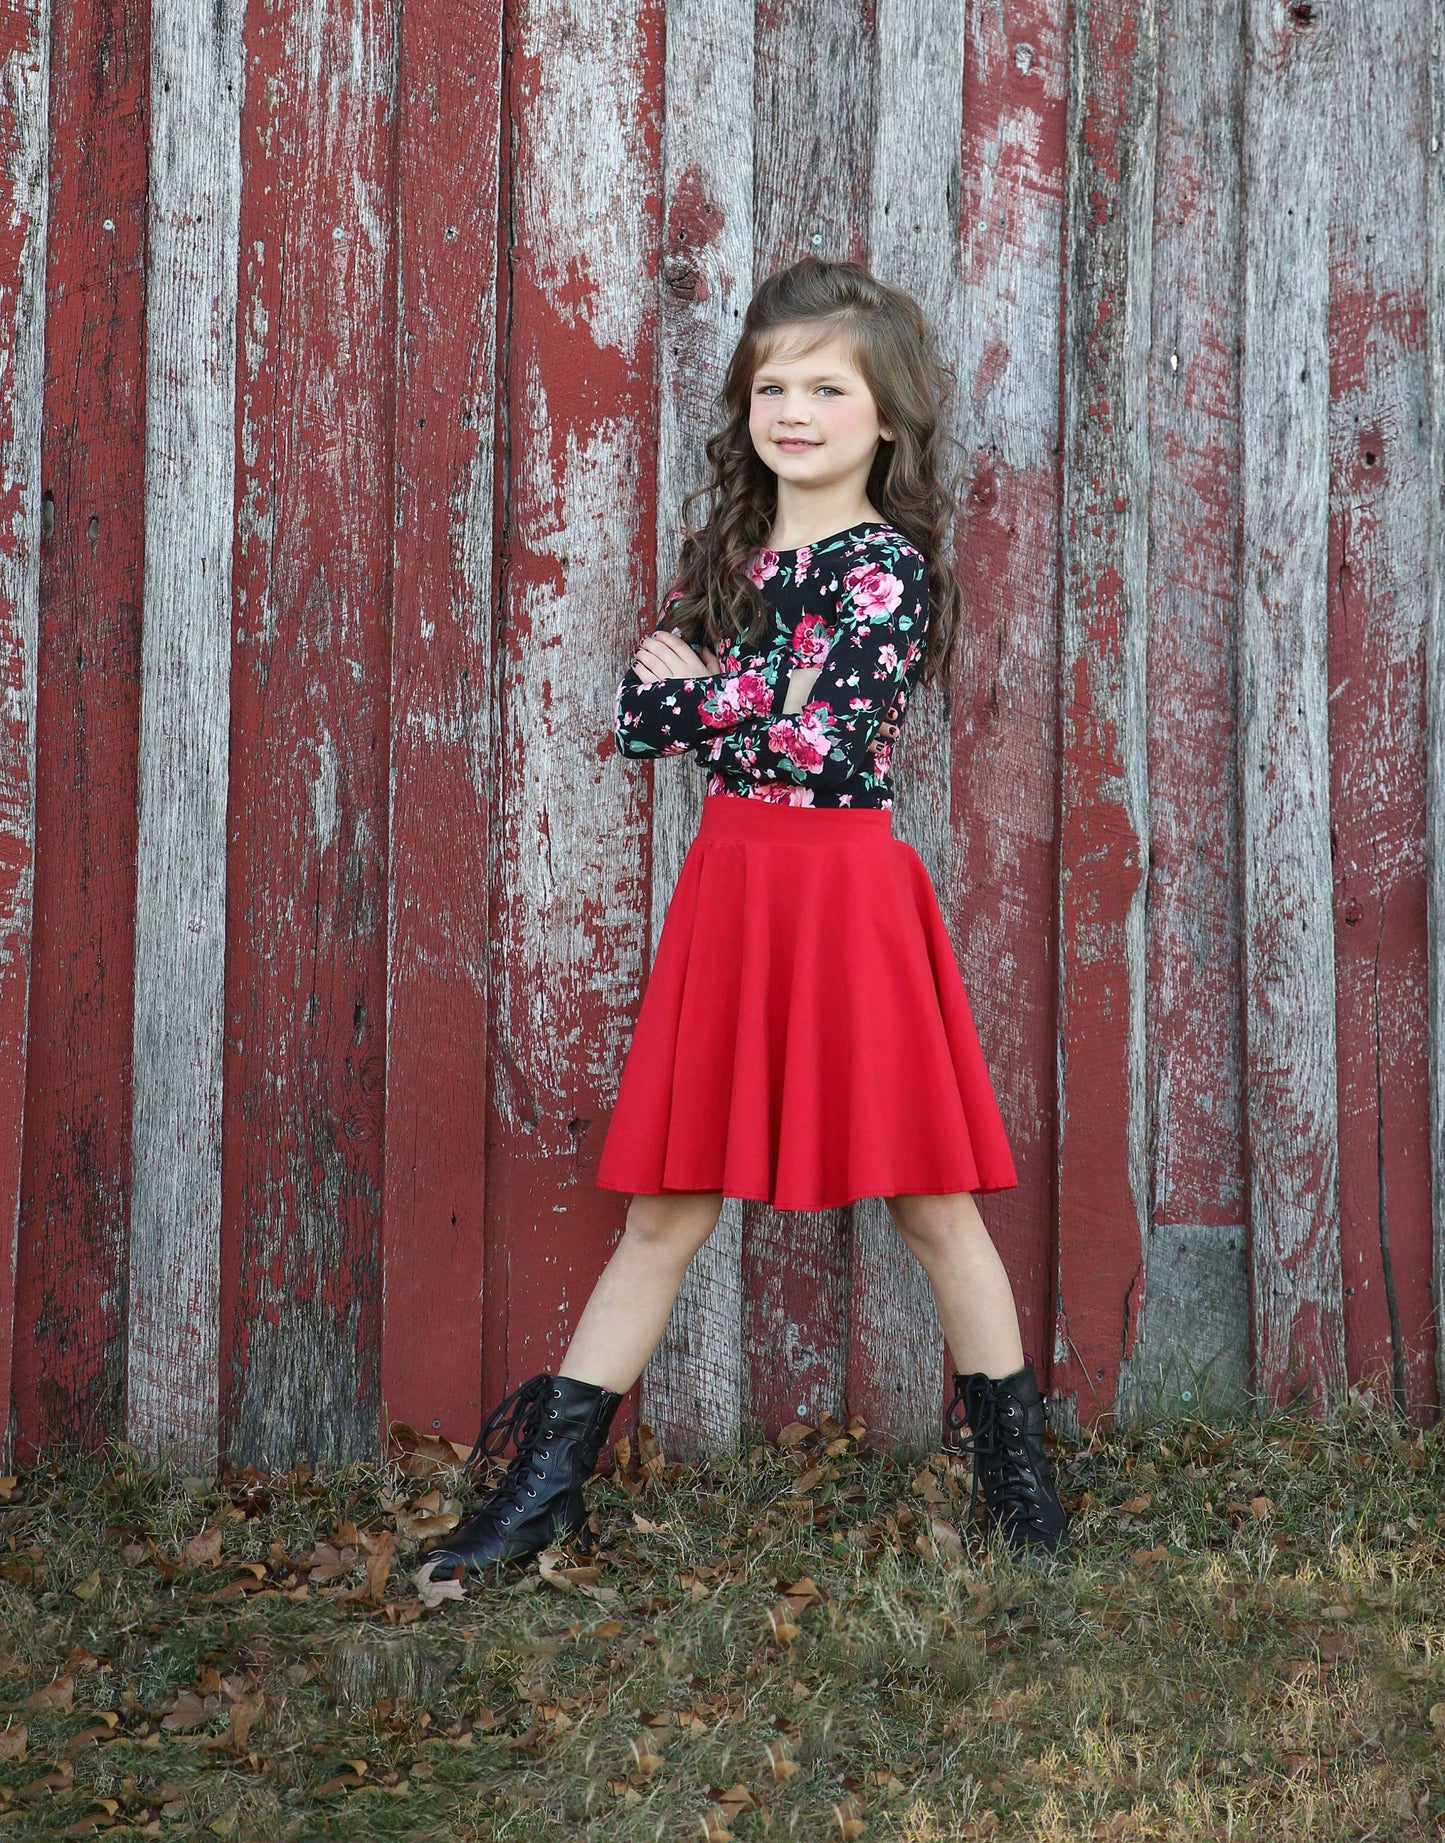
626 1315
975 1301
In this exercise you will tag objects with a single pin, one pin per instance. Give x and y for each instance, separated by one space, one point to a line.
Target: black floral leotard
854 604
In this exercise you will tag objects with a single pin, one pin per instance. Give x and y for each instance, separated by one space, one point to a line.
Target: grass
1245 1640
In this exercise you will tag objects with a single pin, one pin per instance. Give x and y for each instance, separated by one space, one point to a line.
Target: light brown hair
894 349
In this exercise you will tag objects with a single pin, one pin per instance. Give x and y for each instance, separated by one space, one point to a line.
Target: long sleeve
882 613
671 714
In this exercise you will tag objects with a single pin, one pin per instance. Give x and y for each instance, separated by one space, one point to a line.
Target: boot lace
1000 1454
516 1418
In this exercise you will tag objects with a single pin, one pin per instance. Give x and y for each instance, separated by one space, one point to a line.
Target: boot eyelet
530 1492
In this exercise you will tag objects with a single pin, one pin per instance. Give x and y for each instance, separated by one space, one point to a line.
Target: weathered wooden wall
355 366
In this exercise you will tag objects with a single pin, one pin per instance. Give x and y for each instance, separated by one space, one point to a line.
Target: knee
673 1225
930 1224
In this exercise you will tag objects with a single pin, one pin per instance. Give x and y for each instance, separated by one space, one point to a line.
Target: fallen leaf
53 1698
553 1568
243 1713
947 1543
849 1819
88 1588
188 1710
645 1757
801 1593
781 1761
436 1593
380 1550
58 1779
12 1741
795 1433
729 1803
204 1551
781 1623
326 1561
422 1529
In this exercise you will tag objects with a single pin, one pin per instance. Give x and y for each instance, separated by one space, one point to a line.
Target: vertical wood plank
1103 761
895 1356
74 1213
569 903
1435 658
440 717
1379 566
813 107
1194 1321
180 927
1004 796
692 1387
305 972
25 140
1288 960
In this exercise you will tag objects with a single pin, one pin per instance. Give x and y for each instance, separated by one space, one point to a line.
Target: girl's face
813 419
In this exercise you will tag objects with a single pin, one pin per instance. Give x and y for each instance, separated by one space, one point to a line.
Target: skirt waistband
732 815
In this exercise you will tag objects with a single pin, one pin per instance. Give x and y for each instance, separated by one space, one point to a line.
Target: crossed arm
743 717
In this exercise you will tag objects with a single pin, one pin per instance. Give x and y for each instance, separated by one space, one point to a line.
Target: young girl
804 1038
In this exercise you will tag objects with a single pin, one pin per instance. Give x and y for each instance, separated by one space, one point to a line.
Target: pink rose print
851 612
811 639
785 796
874 591
745 695
803 738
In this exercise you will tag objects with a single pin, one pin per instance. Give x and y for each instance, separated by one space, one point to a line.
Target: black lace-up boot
558 1425
1005 1415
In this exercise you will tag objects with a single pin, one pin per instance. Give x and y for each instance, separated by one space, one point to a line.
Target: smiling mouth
795 441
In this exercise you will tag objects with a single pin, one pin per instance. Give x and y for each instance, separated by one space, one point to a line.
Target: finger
672 651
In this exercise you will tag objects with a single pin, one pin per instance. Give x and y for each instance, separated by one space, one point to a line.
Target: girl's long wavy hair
894 348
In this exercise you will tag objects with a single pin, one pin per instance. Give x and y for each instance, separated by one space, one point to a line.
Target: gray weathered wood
692 1389
1435 660
1103 631
1194 1051
197 78
1378 585
1001 881
25 87
1288 958
895 1358
1193 1352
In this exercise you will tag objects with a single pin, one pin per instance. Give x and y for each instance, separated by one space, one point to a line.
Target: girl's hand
887 731
664 654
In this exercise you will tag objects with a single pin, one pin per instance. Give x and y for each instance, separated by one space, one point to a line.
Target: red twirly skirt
804 1038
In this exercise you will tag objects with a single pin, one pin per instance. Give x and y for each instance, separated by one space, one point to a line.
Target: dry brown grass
1245 1640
